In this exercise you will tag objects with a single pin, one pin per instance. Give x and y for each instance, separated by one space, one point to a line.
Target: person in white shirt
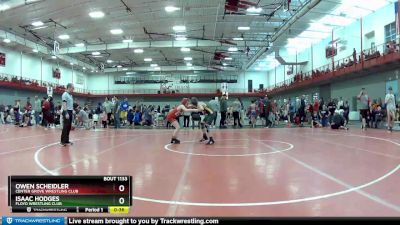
340 104
391 108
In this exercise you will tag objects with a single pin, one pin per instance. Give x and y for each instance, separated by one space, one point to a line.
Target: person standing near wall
2 112
67 109
236 108
214 104
391 109
346 108
107 105
302 110
116 112
364 107
267 111
224 109
37 107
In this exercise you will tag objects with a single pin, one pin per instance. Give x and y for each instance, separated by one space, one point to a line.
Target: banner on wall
80 79
49 91
57 73
2 59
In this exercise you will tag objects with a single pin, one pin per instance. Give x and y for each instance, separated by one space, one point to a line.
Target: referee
67 107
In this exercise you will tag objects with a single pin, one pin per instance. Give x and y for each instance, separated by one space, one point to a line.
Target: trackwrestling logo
33 220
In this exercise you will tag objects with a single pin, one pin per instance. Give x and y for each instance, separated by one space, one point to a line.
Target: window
390 32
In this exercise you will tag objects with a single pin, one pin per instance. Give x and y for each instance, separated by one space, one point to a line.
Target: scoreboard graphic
76 194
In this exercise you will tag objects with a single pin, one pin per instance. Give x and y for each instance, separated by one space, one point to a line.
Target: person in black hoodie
302 110
331 109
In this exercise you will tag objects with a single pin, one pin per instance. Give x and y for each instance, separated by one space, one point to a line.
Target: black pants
104 124
236 118
109 118
267 121
66 127
223 118
186 120
215 118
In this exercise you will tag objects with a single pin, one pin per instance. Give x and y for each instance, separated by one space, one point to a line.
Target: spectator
338 121
83 117
346 108
236 107
138 117
131 116
354 56
340 103
323 114
331 109
214 105
107 106
104 119
37 108
391 108
224 109
364 107
2 113
124 110
186 119
116 112
17 114
267 111
302 110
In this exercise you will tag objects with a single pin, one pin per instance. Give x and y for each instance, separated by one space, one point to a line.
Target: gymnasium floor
248 172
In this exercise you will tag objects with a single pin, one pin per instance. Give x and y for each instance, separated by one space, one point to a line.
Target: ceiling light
153 65
258 68
80 45
6 40
179 28
109 61
238 39
187 58
54 57
98 56
171 9
84 68
157 68
138 50
96 14
148 59
125 69
189 64
38 28
224 64
64 36
185 49
119 66
92 71
116 31
4 7
243 28
127 41
254 10
35 50
233 49
181 38
71 64
96 53
97 71
228 58
129 73
37 23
